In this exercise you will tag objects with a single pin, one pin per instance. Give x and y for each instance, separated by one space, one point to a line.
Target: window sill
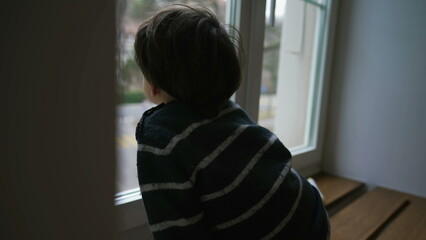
127 196
379 214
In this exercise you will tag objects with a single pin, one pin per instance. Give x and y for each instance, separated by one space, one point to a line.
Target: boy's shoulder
163 122
178 113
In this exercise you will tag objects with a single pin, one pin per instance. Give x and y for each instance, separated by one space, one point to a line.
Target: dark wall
57 119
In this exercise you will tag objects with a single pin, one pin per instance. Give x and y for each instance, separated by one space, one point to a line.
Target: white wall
376 128
57 151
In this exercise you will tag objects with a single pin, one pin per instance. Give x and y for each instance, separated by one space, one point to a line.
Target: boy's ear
154 90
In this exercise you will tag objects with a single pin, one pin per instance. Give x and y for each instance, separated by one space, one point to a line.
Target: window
132 102
284 77
291 69
285 43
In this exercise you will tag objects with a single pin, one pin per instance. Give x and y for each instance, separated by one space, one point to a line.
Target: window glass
290 70
132 102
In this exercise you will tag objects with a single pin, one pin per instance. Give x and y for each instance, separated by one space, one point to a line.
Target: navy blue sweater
221 178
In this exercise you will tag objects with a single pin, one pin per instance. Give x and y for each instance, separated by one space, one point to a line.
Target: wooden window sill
381 213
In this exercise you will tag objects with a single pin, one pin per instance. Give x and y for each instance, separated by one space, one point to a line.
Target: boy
206 170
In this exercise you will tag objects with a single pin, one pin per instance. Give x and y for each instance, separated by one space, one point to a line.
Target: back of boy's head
187 53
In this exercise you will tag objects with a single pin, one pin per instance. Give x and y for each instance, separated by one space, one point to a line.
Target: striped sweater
221 178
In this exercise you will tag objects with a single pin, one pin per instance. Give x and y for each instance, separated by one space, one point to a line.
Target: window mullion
251 24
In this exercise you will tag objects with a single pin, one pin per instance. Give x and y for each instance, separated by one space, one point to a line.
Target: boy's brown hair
186 52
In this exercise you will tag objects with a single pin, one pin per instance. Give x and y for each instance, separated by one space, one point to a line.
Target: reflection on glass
132 102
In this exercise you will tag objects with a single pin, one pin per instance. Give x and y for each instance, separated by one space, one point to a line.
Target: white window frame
249 17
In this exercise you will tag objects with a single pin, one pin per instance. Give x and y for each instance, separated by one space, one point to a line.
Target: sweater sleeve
172 206
171 201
